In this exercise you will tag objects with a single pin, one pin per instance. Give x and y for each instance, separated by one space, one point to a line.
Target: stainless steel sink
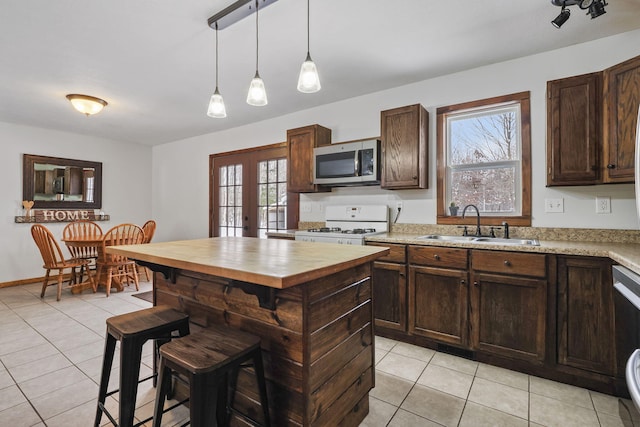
448 238
487 240
500 241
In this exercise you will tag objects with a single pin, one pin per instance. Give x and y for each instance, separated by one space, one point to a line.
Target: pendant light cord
307 26
216 55
257 38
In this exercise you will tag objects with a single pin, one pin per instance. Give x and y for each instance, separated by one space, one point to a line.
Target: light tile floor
51 354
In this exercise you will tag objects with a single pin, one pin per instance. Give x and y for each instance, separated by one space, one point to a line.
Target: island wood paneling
317 341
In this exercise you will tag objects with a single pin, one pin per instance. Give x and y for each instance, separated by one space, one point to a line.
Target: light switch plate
554 205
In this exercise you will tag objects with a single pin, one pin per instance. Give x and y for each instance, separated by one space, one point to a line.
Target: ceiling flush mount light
595 9
217 108
257 95
308 81
86 104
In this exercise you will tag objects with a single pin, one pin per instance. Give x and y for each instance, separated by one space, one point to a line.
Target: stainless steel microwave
348 163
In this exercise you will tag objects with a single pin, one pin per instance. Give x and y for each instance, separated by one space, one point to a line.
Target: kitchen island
310 303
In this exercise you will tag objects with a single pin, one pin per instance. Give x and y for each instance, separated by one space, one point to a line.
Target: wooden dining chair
53 258
83 229
118 267
149 229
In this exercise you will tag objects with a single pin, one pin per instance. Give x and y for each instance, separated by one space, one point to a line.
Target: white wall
126 188
180 198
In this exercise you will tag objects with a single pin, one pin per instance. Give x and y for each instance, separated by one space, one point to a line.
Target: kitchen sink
448 238
475 239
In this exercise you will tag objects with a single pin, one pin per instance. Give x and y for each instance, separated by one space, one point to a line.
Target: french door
249 193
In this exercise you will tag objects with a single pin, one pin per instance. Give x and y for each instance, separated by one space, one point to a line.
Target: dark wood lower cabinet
547 315
390 290
586 338
439 304
508 316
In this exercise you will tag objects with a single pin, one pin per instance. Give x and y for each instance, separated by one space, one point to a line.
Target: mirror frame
28 182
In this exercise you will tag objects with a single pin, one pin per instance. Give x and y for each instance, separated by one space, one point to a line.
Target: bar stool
211 359
133 330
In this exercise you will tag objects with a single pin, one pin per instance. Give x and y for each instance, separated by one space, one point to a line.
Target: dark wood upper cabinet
591 126
404 133
622 97
301 142
574 130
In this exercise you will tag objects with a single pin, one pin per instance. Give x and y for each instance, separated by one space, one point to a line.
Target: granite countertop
626 254
276 263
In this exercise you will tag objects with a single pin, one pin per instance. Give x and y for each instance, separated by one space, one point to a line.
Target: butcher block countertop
626 254
276 263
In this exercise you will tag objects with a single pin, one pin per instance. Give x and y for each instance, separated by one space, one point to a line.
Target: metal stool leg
107 362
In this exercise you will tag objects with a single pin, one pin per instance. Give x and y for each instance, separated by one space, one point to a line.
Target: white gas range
348 225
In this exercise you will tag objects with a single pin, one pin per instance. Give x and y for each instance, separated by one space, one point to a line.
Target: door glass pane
272 195
230 200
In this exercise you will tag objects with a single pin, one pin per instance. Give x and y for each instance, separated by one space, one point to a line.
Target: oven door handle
632 376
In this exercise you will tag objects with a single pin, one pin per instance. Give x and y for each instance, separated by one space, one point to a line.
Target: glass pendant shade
308 81
257 95
217 108
88 105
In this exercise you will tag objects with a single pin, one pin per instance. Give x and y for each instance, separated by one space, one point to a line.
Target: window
484 159
249 193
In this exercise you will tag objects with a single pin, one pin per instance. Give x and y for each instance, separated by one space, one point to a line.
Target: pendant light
308 81
216 103
257 94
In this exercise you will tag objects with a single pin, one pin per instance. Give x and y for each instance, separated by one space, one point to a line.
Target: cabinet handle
475 283
415 177
437 257
507 263
463 282
610 166
401 274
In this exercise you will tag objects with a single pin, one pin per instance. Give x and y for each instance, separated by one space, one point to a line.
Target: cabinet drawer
438 256
397 253
522 264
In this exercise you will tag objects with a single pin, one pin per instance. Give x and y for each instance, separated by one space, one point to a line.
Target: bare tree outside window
484 159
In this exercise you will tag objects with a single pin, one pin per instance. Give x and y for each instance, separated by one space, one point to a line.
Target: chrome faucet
464 211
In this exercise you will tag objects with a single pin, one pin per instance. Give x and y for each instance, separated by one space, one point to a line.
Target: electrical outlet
554 205
603 205
399 206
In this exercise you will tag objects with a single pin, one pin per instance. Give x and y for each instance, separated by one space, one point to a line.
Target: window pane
282 193
223 217
238 175
262 195
262 217
282 170
492 190
223 176
273 170
273 193
223 196
484 137
238 196
262 172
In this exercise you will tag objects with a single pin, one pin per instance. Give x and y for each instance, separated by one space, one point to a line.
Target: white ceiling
154 60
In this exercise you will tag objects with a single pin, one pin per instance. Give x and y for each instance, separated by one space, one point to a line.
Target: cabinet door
438 304
508 316
404 133
573 130
622 97
301 142
585 314
390 295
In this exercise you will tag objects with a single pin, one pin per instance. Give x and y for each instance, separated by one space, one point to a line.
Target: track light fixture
562 18
595 8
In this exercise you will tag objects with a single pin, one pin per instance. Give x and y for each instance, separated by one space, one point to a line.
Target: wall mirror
56 183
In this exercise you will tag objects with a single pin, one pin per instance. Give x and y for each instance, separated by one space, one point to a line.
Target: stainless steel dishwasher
627 283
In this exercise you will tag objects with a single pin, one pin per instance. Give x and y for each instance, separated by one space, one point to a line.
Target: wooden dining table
89 242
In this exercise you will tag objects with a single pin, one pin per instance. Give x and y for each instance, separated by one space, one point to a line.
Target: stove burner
359 231
325 230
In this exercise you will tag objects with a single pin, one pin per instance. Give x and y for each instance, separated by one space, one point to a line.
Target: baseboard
21 282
